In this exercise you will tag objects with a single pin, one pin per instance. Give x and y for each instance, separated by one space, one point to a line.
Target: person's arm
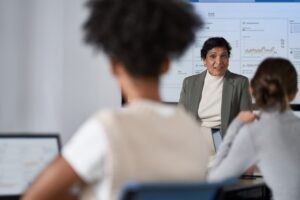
225 146
82 160
232 131
54 182
240 157
246 102
236 151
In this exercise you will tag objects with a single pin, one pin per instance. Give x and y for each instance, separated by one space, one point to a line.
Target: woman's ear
204 62
165 66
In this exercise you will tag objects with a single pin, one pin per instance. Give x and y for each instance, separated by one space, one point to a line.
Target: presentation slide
254 29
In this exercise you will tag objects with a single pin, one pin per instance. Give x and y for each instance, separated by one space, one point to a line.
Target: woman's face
217 61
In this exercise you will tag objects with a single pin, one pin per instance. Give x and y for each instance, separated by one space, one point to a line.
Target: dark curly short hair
141 34
214 42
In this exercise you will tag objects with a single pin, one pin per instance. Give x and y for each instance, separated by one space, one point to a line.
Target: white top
86 153
209 110
89 152
272 143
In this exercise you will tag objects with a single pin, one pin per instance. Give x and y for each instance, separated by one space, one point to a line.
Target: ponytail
269 92
273 83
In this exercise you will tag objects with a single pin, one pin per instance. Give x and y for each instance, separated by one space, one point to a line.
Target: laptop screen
217 139
22 157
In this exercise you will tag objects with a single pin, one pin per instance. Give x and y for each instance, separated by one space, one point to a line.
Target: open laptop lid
22 157
217 139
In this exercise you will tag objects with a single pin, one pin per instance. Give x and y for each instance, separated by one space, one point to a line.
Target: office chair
171 191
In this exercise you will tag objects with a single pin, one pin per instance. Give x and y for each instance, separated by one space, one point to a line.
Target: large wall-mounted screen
255 30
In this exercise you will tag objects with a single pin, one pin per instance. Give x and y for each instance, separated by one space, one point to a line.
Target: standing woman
271 139
216 95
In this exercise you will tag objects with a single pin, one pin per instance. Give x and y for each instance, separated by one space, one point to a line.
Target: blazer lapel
196 96
226 98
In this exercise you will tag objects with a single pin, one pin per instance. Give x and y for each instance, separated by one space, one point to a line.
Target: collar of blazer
227 85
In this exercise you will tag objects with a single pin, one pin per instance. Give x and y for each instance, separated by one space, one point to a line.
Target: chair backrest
170 191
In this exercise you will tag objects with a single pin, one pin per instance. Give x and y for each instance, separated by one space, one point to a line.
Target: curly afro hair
141 34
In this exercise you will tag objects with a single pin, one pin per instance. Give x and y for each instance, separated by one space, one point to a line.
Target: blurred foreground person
270 139
146 140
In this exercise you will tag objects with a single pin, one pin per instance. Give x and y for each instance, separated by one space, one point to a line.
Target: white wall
49 80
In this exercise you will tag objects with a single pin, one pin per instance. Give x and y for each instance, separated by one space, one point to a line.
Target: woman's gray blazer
235 97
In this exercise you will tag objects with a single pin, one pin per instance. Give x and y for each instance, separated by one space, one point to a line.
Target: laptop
22 157
217 139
